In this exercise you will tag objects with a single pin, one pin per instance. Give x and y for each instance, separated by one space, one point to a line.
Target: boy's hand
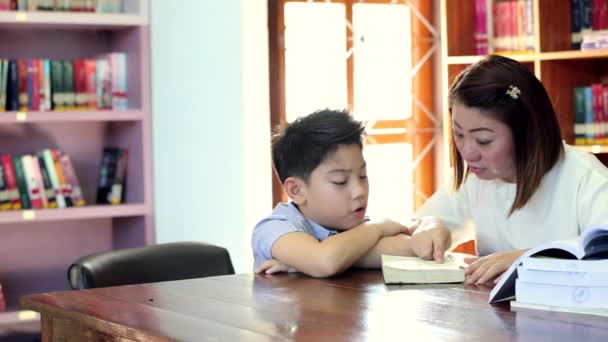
432 243
391 228
272 266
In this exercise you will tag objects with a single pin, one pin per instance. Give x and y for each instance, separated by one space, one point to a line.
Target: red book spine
80 84
90 67
11 181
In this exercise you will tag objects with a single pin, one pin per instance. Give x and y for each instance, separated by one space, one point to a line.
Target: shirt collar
319 230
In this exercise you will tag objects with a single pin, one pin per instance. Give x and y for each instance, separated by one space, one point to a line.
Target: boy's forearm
393 245
343 250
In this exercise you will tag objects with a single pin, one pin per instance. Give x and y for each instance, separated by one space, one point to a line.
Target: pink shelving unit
37 246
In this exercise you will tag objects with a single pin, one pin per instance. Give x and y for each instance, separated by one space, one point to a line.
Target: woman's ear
295 189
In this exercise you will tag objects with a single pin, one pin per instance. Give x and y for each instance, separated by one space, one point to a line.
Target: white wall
210 122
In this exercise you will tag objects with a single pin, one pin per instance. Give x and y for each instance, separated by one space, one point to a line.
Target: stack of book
566 276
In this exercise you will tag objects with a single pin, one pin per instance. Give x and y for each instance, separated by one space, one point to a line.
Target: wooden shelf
522 57
74 213
17 316
531 57
574 54
592 148
71 116
70 20
53 238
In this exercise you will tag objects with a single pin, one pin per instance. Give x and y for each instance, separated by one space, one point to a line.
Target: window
373 58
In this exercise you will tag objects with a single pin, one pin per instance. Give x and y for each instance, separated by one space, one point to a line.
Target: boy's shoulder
284 211
286 217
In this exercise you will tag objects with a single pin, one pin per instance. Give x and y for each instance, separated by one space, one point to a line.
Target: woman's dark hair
506 90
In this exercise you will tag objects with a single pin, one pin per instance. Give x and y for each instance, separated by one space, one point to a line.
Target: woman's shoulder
581 163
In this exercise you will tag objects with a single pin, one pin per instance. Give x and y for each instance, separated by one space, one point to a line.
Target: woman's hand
272 266
481 270
431 239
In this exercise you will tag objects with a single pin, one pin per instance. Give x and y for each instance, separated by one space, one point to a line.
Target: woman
515 183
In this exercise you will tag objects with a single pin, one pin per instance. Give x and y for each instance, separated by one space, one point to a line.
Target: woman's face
485 144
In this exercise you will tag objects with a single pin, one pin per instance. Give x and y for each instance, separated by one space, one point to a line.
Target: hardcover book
592 244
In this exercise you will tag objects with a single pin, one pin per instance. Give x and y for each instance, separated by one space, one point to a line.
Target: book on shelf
504 26
100 6
591 244
591 114
414 270
112 176
2 300
518 306
35 181
79 84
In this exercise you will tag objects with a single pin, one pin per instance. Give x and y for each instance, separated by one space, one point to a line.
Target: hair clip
514 92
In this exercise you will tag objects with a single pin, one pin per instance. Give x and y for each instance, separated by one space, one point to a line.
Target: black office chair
162 262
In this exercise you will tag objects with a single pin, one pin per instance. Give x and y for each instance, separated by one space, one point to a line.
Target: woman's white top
572 196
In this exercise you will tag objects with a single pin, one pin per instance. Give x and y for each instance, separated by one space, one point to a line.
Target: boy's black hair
301 146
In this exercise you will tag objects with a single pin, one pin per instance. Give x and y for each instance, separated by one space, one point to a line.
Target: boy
323 230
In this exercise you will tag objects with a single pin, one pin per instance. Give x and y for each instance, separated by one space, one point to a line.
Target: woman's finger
479 271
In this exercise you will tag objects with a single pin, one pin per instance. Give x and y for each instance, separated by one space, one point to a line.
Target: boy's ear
295 189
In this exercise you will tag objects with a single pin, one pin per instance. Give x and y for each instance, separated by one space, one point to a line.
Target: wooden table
355 306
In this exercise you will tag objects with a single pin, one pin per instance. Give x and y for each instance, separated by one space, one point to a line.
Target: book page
452 261
594 241
414 270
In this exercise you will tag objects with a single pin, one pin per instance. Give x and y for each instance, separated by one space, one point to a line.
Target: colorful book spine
579 116
22 72
69 91
90 66
11 181
39 181
33 191
589 128
117 192
5 203
50 167
118 65
46 181
65 187
21 183
3 83
12 94
481 31
104 83
72 180
107 172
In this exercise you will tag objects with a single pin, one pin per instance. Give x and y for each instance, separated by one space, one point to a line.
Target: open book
413 270
592 244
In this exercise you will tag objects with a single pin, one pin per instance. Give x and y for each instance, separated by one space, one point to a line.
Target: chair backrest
162 262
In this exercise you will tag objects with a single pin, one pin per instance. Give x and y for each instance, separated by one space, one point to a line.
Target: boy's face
337 190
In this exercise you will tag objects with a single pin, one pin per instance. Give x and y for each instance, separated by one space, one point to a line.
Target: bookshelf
39 245
553 61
